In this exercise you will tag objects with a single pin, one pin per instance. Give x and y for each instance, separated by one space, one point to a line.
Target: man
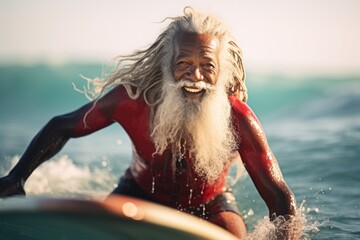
182 103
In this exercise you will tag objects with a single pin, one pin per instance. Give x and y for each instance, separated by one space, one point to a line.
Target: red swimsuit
154 173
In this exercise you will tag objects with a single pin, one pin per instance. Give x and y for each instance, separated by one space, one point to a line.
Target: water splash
61 177
298 226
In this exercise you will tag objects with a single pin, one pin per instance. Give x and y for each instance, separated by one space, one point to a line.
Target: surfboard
117 217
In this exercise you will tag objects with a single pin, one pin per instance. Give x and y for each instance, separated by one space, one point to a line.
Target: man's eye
209 66
182 63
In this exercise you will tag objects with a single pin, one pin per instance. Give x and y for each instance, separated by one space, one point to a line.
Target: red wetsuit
153 173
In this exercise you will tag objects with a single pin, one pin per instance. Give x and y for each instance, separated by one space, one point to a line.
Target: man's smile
193 89
193 92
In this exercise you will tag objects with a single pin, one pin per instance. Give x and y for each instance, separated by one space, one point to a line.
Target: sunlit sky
306 35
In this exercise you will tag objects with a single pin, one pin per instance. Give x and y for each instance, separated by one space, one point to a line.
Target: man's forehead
196 39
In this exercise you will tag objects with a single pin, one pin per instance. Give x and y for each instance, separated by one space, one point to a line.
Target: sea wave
62 178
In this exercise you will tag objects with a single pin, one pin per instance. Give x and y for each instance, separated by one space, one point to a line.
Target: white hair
143 70
206 125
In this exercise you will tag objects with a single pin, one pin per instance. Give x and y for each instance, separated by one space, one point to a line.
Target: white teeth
193 90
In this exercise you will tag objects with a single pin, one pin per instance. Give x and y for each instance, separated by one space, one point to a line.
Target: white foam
61 177
298 226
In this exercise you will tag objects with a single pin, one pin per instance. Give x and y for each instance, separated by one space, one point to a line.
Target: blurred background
303 76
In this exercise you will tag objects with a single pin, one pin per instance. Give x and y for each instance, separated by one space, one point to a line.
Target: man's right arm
53 136
49 141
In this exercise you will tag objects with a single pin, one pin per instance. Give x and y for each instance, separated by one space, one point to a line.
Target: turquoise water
312 124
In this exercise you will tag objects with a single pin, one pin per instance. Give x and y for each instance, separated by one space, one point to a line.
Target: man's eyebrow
210 59
182 55
210 55
207 53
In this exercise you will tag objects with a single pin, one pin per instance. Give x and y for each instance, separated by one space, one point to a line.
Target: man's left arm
261 163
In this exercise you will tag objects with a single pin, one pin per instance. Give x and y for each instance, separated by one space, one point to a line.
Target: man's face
195 109
196 60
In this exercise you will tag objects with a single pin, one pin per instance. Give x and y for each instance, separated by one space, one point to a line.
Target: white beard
202 127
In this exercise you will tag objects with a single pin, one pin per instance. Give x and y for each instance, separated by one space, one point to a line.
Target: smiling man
182 102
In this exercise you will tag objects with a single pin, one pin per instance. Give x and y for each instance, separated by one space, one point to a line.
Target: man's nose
195 75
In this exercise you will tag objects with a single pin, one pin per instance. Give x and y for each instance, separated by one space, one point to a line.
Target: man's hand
288 227
9 186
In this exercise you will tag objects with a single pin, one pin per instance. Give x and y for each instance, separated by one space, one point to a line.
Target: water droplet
250 212
202 188
312 210
190 196
153 185
330 189
104 161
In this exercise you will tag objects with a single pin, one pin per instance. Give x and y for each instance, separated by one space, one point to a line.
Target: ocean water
312 124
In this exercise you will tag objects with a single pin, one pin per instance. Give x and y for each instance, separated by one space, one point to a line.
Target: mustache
188 83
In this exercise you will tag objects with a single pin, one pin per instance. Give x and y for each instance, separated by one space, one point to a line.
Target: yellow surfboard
118 217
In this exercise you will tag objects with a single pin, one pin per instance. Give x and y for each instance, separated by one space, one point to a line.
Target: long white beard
201 127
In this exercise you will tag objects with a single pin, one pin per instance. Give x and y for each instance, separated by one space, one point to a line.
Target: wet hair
141 72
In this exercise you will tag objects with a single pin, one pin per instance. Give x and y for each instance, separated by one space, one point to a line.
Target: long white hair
206 127
143 70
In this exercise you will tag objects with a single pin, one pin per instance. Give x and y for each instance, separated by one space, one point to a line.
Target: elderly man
182 103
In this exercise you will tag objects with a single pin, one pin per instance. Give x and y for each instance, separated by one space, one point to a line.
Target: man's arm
53 136
261 163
